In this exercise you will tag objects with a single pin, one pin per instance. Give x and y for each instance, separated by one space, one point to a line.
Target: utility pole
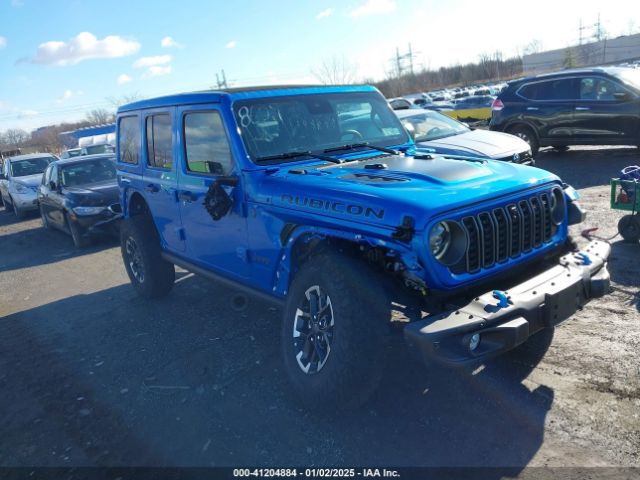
221 80
400 61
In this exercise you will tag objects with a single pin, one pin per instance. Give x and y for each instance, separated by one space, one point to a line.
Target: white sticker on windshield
390 131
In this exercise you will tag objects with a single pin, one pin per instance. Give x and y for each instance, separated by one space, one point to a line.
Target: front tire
334 332
77 235
528 135
150 274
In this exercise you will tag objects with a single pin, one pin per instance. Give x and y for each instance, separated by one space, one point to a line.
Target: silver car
447 136
19 180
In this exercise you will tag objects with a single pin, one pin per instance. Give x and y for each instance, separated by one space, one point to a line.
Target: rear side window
561 89
159 147
206 145
129 139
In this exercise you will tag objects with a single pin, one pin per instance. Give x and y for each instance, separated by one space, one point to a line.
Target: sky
59 59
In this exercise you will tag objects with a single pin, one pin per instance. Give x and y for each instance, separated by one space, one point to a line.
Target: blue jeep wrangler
317 199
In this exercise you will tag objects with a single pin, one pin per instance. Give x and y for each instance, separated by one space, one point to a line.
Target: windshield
432 126
84 173
630 76
314 123
31 166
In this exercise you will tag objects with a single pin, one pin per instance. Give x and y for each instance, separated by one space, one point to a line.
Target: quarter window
206 145
159 146
129 140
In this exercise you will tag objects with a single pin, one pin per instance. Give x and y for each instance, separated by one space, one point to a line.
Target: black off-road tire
79 239
629 228
360 310
528 135
150 274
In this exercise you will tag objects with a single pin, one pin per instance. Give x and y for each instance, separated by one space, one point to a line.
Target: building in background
625 49
92 135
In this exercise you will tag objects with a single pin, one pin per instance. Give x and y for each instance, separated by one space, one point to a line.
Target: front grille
522 157
506 232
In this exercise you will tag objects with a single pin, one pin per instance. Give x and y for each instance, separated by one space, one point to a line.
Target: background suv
599 106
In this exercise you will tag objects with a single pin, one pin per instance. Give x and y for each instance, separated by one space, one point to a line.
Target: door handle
188 197
533 108
582 108
152 188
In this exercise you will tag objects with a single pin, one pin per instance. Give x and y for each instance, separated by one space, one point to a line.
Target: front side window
206 145
129 140
596 88
31 166
159 145
300 123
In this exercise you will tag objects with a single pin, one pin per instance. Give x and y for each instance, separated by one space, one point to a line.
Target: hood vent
372 178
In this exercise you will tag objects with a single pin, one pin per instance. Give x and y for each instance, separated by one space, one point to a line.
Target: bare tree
534 46
335 71
15 137
99 116
124 99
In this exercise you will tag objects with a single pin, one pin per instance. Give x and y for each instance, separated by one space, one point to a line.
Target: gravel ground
92 375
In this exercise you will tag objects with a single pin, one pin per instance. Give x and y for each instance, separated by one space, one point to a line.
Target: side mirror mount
53 185
621 96
217 201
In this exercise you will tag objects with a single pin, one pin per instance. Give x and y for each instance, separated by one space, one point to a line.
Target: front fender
285 267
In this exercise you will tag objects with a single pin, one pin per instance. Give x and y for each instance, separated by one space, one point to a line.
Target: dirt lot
92 375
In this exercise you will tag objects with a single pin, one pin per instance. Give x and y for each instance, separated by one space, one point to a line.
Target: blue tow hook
584 257
503 300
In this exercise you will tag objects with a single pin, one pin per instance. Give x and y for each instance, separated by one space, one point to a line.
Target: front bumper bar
504 320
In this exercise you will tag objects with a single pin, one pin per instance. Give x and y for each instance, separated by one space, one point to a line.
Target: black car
80 196
598 106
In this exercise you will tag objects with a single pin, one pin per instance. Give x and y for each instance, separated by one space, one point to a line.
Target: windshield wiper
353 146
296 154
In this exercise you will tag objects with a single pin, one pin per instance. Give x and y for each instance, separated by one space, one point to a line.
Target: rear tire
150 274
334 359
528 135
629 228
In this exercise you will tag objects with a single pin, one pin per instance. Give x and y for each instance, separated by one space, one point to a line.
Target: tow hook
503 299
584 258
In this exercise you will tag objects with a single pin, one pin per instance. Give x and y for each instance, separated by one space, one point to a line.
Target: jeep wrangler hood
383 190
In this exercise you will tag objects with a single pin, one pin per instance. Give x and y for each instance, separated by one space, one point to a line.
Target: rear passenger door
550 108
206 155
159 178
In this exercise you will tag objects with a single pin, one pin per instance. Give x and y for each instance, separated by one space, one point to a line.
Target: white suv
19 181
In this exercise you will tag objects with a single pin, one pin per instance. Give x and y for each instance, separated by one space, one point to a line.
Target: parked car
473 108
596 106
19 181
70 153
449 137
80 196
315 198
401 103
97 148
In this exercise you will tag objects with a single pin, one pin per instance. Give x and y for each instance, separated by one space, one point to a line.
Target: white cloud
68 94
374 7
3 41
157 71
145 62
169 42
231 44
123 78
325 13
83 46
28 114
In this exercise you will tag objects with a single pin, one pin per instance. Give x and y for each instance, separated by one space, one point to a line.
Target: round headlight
447 242
557 205
439 239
